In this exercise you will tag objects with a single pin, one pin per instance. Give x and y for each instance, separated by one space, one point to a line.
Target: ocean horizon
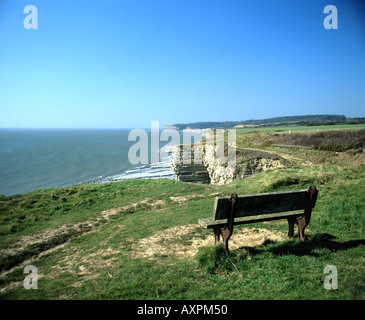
33 159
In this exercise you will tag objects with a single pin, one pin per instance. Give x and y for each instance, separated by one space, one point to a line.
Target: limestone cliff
210 170
189 172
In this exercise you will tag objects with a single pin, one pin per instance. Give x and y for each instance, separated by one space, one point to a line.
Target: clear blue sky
123 63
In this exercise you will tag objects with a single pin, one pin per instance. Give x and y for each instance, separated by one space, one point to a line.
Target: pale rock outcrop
215 171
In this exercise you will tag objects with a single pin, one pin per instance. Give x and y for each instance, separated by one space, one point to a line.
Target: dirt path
178 241
66 232
185 241
69 231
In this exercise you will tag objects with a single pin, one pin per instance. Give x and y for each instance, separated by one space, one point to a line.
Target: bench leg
217 234
226 246
291 222
226 235
227 231
301 226
302 223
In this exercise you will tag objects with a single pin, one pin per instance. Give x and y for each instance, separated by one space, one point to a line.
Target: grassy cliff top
139 239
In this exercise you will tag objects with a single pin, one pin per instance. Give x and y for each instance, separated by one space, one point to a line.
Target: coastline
41 159
162 169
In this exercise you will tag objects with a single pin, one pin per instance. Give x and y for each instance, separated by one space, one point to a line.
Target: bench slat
260 204
211 222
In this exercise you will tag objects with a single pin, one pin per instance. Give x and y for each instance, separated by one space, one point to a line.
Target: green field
301 129
139 239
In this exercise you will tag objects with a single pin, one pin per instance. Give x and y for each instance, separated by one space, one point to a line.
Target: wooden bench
295 206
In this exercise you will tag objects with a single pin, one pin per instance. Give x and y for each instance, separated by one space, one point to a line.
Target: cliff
193 172
248 162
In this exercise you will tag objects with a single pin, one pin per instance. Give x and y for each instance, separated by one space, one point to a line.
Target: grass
301 129
96 261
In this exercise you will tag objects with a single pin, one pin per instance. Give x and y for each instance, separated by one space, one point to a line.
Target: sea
31 159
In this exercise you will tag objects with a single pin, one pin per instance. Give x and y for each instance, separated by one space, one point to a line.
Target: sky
125 63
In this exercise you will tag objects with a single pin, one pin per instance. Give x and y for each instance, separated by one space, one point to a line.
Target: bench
295 206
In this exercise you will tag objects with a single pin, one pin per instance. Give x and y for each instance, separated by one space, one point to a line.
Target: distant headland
305 120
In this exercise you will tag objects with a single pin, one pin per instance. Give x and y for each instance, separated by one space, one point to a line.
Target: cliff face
193 172
248 162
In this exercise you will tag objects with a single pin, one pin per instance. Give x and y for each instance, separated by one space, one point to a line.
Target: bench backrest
261 203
